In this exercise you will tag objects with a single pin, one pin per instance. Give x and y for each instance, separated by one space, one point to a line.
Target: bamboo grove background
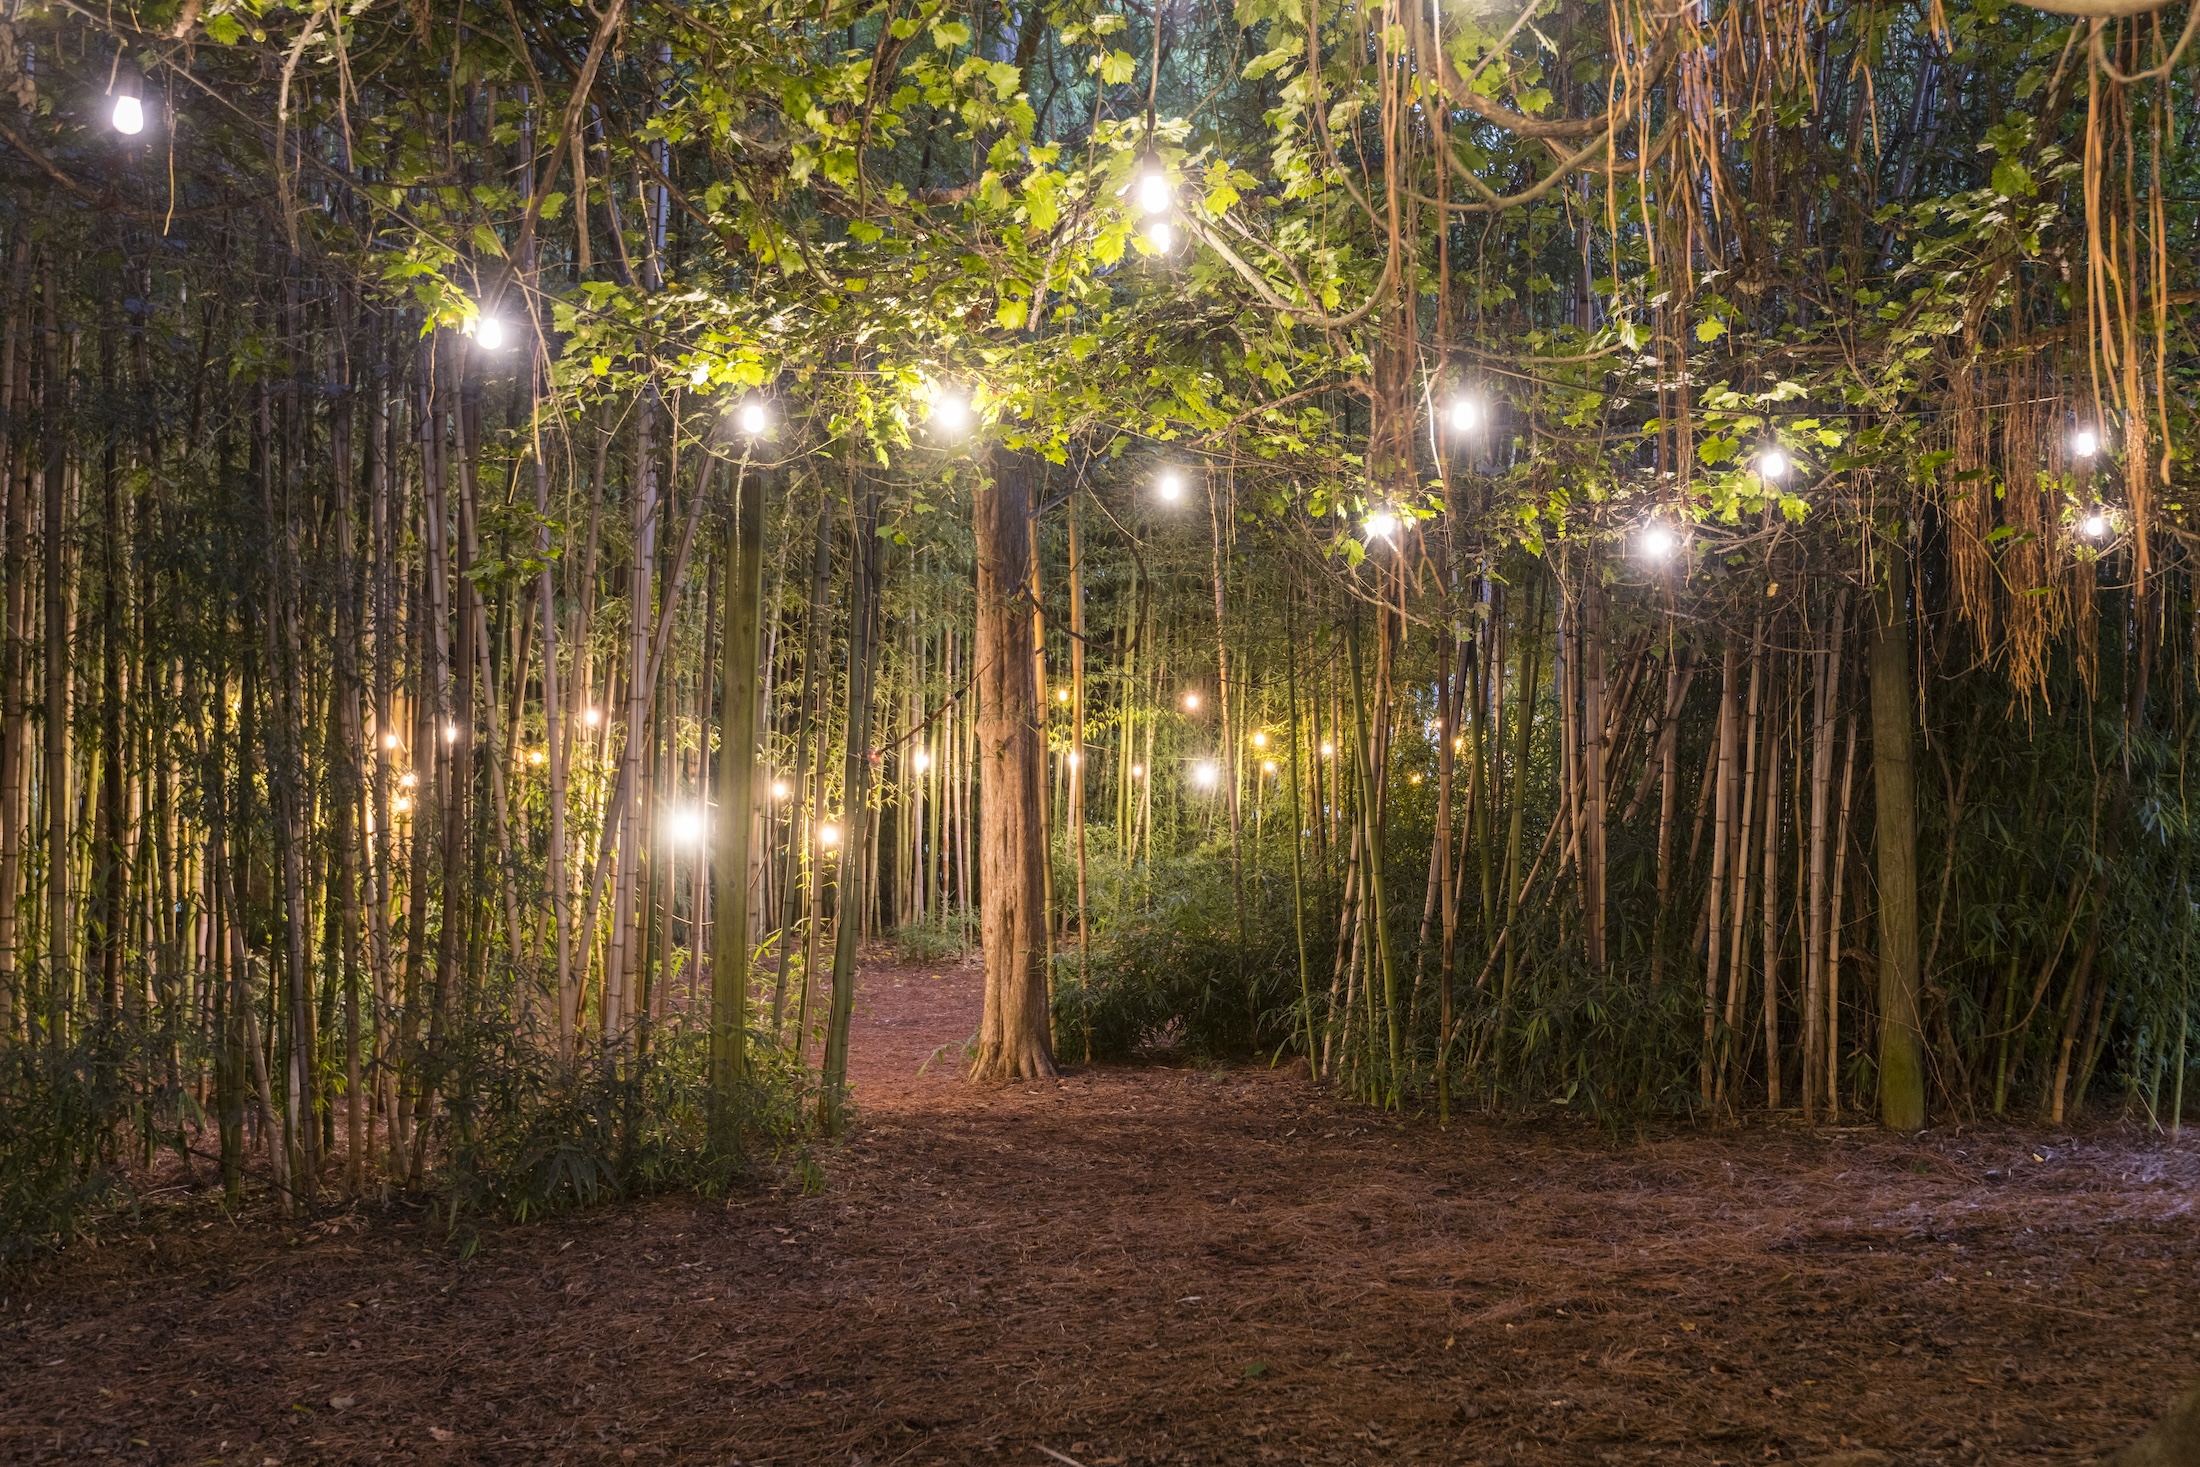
379 495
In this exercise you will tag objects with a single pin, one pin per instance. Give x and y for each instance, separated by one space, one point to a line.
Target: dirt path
1160 1266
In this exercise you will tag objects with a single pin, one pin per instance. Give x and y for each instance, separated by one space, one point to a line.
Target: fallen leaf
342 1403
439 1433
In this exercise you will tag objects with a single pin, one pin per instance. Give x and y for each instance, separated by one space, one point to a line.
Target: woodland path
1154 1265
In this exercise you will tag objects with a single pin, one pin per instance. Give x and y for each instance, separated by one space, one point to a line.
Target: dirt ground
1154 1265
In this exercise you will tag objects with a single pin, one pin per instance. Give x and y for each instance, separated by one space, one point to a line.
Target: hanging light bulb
828 836
591 716
1061 695
2085 443
1772 465
1154 194
685 826
1260 741
1138 771
1267 766
779 789
1659 541
489 334
407 781
1169 488
450 733
534 756
950 413
1074 759
920 761
1204 774
1191 702
2094 525
1161 235
128 115
1381 524
753 418
1466 415
403 805
389 741
1328 749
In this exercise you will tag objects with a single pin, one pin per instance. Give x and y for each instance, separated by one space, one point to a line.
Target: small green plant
936 938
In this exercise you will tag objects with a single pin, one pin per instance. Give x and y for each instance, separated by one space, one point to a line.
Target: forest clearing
1165 1265
1099 731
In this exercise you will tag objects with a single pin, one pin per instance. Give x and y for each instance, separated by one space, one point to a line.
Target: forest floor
1148 1265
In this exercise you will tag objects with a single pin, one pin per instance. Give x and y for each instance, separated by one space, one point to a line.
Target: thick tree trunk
729 968
1901 1047
1013 1034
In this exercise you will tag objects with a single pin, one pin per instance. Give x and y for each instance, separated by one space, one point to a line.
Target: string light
389 741
1772 464
591 717
685 826
450 733
1161 236
1382 524
779 789
1328 749
950 412
1154 194
2094 525
1267 766
1138 771
1659 541
1074 760
489 334
920 761
1260 741
753 418
1466 415
128 116
1061 695
2085 443
407 781
1205 774
1191 702
403 805
828 836
534 756
1169 488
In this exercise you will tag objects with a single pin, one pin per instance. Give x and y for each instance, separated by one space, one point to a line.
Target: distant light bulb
1154 194
1328 749
1169 488
534 756
828 835
407 781
1191 702
403 805
1413 779
1061 695
1205 774
685 827
1658 542
1267 766
591 717
950 413
754 420
1382 524
1772 464
1074 760
1138 771
489 333
2094 525
450 733
1260 741
920 761
389 741
1466 415
128 116
1161 235
2085 443
779 789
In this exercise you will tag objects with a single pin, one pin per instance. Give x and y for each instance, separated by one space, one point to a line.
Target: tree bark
729 965
1013 1039
1901 1046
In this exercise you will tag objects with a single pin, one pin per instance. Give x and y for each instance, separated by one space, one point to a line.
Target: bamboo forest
1099 731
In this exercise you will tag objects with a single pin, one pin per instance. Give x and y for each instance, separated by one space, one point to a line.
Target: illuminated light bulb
1466 415
1074 760
779 789
534 756
2085 443
1205 775
1658 542
828 836
1260 741
1169 488
1191 702
1138 771
920 761
128 116
389 741
1382 524
2094 525
591 717
1413 779
1328 749
403 805
450 733
1154 194
1772 464
1062 695
1458 744
950 413
685 827
754 420
700 377
489 333
407 781
1267 766
1161 235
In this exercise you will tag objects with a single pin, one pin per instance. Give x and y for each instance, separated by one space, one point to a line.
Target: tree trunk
1901 1047
729 966
1013 1033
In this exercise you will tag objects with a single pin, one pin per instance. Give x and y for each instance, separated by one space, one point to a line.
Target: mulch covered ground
1158 1266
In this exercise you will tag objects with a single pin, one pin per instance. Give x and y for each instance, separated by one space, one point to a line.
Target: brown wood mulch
1155 1265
